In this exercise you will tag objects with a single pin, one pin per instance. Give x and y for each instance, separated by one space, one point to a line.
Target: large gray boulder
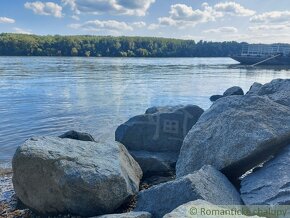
54 175
235 90
158 131
127 215
207 184
156 163
154 138
204 209
270 184
278 90
234 135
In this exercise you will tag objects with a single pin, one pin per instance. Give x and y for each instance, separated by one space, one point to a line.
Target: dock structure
264 54
265 50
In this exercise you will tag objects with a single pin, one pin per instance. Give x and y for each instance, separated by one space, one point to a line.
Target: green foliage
74 52
108 46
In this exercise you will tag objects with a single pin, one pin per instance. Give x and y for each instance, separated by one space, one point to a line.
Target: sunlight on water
48 96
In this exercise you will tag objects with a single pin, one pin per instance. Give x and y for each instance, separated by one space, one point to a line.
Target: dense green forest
108 46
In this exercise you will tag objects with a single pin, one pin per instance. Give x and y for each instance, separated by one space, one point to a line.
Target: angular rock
235 135
215 97
278 90
156 163
77 136
270 184
127 215
235 90
198 209
54 175
254 89
207 184
158 131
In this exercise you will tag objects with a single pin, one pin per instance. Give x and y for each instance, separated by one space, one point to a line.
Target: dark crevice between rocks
270 149
145 183
128 206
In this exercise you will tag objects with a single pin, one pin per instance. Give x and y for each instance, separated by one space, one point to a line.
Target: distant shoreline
12 44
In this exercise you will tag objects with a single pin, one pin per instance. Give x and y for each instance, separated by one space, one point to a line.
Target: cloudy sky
240 20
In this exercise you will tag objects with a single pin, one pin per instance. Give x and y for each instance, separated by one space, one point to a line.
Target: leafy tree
74 51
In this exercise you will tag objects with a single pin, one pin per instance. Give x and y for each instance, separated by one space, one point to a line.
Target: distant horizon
252 21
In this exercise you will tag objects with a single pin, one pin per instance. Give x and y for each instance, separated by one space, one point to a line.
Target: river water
50 95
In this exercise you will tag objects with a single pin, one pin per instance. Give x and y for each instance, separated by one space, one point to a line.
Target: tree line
12 44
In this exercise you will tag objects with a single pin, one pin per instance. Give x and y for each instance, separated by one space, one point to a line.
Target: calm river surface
48 96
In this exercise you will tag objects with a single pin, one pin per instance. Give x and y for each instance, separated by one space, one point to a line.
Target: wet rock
202 209
215 97
53 175
270 184
207 183
235 135
156 163
77 136
235 90
127 215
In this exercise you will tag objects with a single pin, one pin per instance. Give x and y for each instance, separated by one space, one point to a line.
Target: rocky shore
162 163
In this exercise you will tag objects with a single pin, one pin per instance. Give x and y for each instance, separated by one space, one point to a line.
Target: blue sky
241 20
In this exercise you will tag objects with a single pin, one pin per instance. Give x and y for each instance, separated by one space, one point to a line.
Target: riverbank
8 199
10 207
163 161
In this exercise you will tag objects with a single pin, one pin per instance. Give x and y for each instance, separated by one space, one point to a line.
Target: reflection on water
48 96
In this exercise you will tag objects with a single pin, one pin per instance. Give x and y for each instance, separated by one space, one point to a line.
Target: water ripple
50 95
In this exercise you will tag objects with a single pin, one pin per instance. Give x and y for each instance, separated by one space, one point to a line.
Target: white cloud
98 25
233 8
20 30
47 8
127 7
6 20
268 38
153 26
75 17
186 13
140 24
269 27
183 16
166 21
272 17
222 30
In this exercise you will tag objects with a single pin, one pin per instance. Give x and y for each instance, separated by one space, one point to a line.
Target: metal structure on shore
263 54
